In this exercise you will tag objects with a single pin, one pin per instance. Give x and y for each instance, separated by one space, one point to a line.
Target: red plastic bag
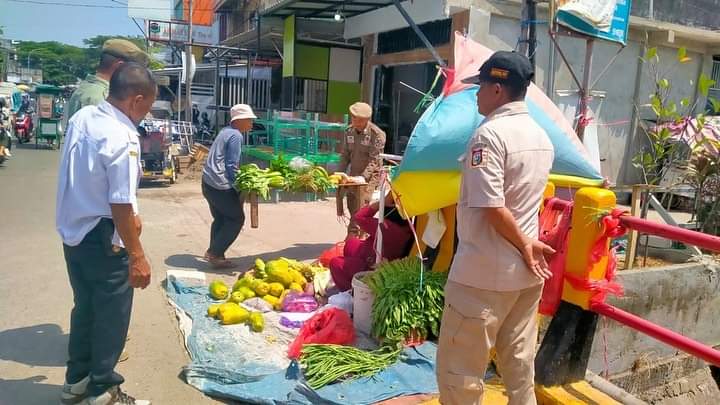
554 228
332 326
331 253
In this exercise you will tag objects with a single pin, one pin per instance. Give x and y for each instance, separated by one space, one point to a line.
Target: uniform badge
350 139
366 140
133 153
478 157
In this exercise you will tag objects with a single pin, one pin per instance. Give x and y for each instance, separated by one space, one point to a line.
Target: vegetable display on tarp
282 284
324 363
429 175
408 300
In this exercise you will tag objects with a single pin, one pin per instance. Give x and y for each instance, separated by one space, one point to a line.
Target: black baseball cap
504 67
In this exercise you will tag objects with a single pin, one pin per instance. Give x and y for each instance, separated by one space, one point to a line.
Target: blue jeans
101 316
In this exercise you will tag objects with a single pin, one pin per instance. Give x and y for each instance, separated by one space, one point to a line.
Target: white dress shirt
100 165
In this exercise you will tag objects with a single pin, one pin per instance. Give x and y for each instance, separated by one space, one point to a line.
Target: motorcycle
24 127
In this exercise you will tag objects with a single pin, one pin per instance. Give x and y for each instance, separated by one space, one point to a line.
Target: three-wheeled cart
48 127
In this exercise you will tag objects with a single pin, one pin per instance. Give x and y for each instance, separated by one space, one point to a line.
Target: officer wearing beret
497 275
94 89
361 147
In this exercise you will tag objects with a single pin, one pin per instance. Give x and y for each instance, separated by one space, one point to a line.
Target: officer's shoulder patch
478 156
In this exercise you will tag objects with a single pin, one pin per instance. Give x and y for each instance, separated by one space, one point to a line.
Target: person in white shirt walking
97 219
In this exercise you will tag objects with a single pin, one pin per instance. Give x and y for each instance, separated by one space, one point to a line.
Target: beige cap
361 110
124 49
241 111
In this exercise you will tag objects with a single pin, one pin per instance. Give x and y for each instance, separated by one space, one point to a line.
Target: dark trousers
226 207
101 315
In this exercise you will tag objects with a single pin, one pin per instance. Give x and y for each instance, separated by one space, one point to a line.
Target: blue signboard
618 28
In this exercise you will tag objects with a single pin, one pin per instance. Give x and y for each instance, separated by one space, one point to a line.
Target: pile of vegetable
408 300
251 178
230 312
271 282
324 364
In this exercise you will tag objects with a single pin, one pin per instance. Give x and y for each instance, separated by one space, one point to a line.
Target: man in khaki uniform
496 279
362 145
94 89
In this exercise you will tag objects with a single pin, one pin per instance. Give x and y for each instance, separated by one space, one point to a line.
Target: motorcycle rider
5 138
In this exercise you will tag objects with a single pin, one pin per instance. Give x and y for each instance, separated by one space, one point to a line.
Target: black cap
505 68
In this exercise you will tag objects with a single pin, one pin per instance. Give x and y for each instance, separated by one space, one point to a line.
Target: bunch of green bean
407 300
324 364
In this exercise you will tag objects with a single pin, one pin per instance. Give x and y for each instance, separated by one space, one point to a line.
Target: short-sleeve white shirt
100 165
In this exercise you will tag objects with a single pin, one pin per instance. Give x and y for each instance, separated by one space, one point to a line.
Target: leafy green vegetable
402 303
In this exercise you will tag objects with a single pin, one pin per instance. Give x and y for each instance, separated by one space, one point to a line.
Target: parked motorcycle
24 126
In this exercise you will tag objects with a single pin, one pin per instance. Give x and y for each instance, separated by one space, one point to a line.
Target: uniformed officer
362 145
94 89
96 217
496 279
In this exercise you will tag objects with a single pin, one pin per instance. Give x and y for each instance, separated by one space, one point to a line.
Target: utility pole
528 33
188 71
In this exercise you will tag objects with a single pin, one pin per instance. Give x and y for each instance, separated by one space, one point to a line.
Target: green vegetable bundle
324 364
316 180
251 178
402 306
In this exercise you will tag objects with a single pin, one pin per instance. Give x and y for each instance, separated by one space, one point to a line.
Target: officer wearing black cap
497 274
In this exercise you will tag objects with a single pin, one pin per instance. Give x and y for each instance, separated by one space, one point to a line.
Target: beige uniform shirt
361 151
506 164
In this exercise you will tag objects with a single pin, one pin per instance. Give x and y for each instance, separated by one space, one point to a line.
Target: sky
63 23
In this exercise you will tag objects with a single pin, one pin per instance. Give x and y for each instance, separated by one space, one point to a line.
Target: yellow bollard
590 202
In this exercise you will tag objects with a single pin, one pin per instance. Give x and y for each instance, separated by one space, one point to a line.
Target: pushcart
48 126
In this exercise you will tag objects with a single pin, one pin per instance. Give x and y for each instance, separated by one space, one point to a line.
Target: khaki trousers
475 321
357 197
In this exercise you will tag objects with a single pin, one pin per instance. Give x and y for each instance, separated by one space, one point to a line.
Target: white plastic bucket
363 299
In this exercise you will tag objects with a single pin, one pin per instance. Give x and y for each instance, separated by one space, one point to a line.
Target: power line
105 6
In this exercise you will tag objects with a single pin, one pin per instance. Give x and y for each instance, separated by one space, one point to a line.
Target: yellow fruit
247 292
213 310
296 287
218 290
243 282
273 301
297 277
259 264
279 271
276 289
225 307
234 316
262 289
257 322
237 297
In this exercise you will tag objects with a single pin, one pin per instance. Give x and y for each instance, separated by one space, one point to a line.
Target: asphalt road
36 299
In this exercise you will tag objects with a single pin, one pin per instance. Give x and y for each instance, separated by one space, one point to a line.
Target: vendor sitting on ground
359 254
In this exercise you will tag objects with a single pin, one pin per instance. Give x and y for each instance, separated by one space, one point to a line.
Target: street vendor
359 254
496 278
94 89
218 179
362 144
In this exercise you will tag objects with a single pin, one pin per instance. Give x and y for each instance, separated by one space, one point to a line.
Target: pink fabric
360 253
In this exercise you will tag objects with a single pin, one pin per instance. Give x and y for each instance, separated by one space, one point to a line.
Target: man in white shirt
96 217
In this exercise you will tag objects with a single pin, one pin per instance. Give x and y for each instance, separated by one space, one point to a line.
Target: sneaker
115 396
74 393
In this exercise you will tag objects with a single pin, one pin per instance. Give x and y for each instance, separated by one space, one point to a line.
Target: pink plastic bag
299 302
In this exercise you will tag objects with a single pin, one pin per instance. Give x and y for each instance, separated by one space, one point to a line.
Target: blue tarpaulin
216 370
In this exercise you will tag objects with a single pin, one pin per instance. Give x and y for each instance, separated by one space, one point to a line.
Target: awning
322 8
